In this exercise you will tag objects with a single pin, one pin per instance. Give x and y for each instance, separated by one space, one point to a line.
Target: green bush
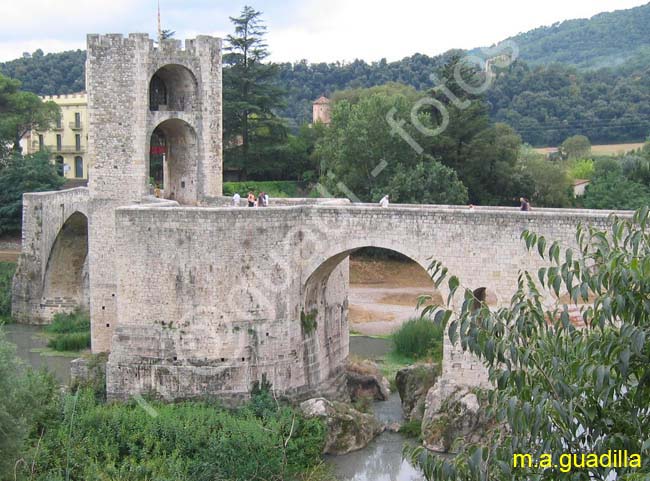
66 323
275 188
70 331
418 338
6 275
195 441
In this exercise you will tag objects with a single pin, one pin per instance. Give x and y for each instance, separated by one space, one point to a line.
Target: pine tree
251 128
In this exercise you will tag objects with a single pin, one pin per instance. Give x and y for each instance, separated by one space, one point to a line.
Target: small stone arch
173 87
173 160
65 282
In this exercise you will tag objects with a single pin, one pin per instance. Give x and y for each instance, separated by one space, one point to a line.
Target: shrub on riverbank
418 338
6 275
197 441
28 403
70 331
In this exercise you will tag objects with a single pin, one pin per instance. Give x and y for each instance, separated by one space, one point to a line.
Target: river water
380 461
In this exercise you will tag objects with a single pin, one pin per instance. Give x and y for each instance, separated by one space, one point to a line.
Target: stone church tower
154 121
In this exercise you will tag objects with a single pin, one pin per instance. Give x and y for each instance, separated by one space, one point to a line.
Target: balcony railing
65 149
76 125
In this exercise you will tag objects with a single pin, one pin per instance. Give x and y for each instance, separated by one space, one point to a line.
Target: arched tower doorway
173 88
173 160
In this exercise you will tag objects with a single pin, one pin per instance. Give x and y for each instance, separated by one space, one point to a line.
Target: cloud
317 30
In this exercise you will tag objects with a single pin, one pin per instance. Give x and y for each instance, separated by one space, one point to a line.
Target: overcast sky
317 30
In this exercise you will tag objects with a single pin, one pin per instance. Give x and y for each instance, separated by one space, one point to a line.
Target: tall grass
419 338
70 332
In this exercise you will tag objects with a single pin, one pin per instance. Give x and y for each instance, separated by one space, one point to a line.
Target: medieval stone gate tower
155 118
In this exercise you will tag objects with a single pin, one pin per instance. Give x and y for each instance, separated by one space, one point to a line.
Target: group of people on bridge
262 200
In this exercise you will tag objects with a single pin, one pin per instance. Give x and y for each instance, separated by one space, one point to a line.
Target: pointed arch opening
65 284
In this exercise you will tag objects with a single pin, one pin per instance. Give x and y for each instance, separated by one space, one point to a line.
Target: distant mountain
545 103
605 40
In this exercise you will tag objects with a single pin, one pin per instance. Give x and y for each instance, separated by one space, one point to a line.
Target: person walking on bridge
525 205
251 199
384 201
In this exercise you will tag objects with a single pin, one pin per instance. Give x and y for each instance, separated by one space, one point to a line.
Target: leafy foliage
51 74
6 276
581 169
28 403
615 191
31 173
184 441
428 182
562 387
21 112
275 188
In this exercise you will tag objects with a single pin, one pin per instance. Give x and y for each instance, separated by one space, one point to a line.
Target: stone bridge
192 297
211 300
52 272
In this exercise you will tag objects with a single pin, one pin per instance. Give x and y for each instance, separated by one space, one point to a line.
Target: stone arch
65 282
325 301
173 87
173 160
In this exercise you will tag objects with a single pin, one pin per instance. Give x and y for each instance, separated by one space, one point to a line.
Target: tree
549 182
250 94
562 388
576 147
489 165
428 182
32 173
614 191
361 152
22 112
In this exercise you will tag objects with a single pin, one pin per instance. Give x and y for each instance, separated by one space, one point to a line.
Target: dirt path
384 294
9 249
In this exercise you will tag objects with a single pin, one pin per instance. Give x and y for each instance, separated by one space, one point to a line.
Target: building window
77 142
58 121
77 120
41 142
78 167
59 145
59 165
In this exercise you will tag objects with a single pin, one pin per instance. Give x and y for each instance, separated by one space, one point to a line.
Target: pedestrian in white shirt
384 201
235 199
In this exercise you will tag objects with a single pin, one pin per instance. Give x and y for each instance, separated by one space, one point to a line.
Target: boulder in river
413 383
347 429
453 417
365 380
